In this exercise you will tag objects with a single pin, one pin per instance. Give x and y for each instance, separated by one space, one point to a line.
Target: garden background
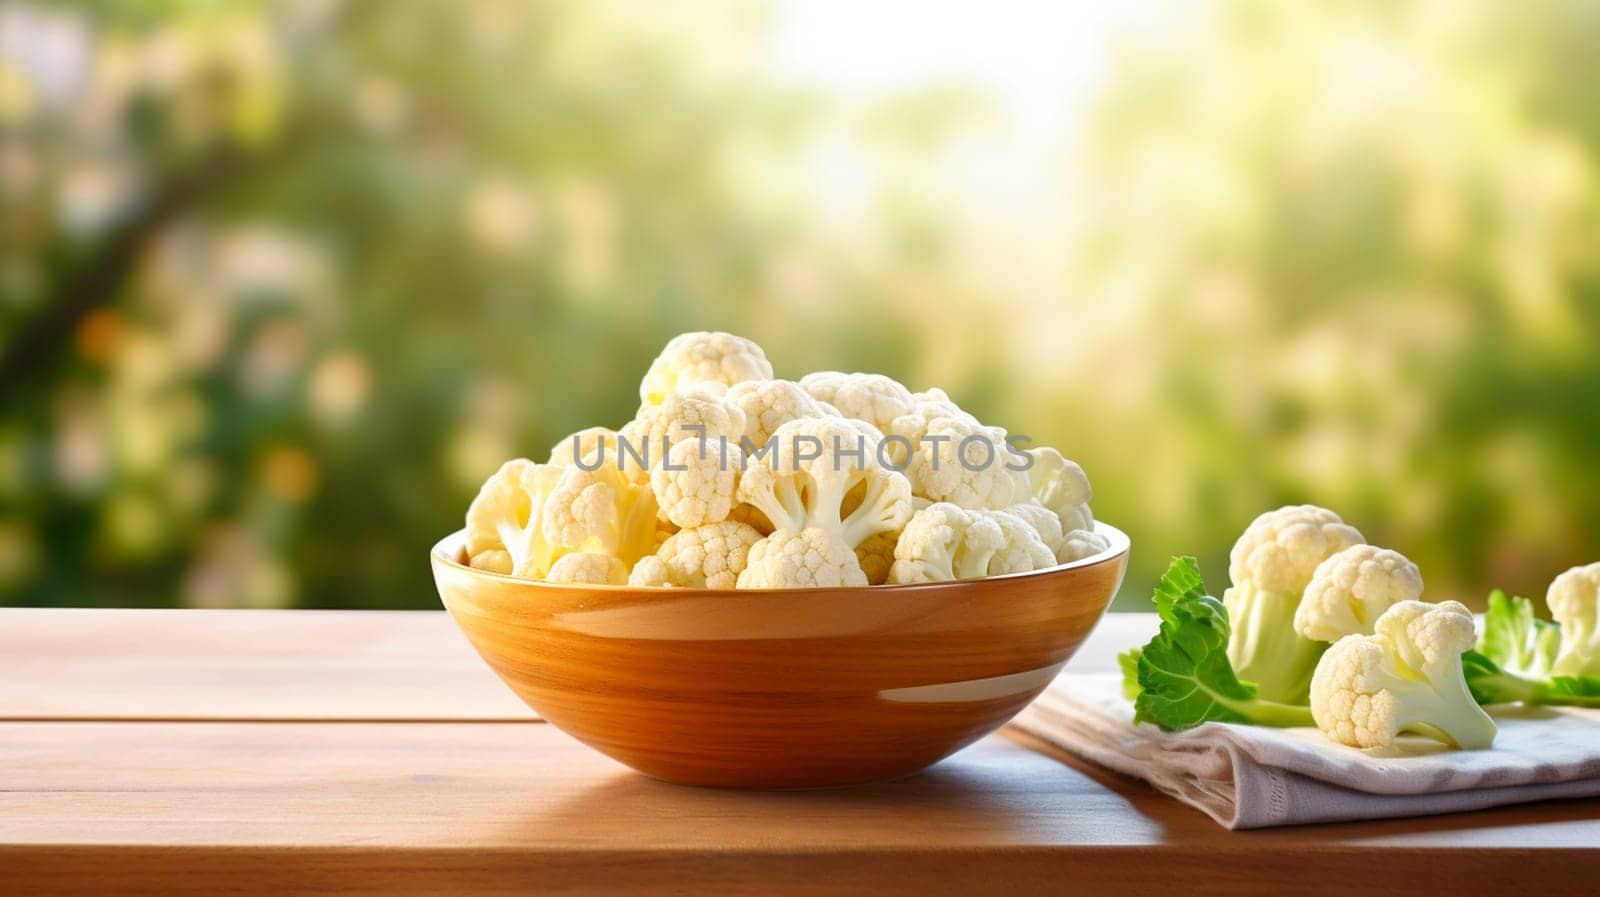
281 282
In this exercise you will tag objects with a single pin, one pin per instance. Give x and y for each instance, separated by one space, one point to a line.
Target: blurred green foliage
280 283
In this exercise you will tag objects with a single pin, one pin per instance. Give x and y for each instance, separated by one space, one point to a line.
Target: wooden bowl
780 688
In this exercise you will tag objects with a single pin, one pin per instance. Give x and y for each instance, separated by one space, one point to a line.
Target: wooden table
209 752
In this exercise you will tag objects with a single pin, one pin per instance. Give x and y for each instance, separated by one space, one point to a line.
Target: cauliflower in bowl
728 477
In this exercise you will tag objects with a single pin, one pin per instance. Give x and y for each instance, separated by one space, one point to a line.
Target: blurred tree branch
38 344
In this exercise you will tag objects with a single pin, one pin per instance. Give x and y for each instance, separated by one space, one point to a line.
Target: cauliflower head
1062 486
1351 589
944 542
873 398
1044 522
714 360
1405 677
926 407
1068 546
768 404
790 559
703 557
596 442
1080 544
695 482
650 572
1281 549
1022 550
814 465
963 463
1574 601
1271 565
600 511
505 521
590 568
692 416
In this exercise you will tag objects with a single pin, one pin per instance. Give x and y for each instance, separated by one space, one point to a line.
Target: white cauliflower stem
1351 589
815 464
1406 677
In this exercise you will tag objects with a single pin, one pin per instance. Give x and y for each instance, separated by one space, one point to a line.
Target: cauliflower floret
704 557
808 558
1271 565
1022 549
695 482
1044 522
1080 544
600 442
1068 546
505 522
963 463
600 511
926 407
876 556
714 360
589 567
650 572
692 415
814 465
1062 486
769 404
1351 589
1406 677
1281 549
912 426
873 398
1574 601
943 542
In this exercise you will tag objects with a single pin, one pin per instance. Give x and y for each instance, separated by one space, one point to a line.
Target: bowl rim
445 551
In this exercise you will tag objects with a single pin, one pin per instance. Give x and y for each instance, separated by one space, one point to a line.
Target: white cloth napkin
1253 777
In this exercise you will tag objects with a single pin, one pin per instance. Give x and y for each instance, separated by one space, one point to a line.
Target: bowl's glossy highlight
780 688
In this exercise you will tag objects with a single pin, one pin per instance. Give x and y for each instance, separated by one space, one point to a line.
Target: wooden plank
433 808
200 664
286 665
